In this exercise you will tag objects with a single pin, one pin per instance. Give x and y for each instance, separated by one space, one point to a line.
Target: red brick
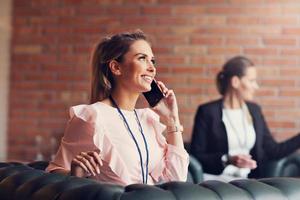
206 60
290 72
187 70
207 40
208 20
45 21
290 93
291 31
171 60
291 9
163 69
277 103
136 21
172 20
266 71
280 41
27 49
266 92
222 30
261 51
242 41
255 2
91 11
184 30
59 11
284 135
124 10
241 20
171 40
162 50
156 10
173 80
262 31
201 81
224 50
290 52
188 90
278 82
281 124
272 20
190 49
188 10
224 10
27 11
280 62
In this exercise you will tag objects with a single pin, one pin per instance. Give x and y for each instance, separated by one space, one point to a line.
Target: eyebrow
143 55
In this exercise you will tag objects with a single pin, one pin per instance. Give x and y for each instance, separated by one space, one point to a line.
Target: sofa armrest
195 171
286 167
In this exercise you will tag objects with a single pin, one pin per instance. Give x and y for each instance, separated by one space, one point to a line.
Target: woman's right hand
242 161
85 163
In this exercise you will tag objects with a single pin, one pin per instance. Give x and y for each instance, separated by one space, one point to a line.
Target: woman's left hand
167 108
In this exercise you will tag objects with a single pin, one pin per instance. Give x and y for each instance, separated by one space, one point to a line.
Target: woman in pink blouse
111 141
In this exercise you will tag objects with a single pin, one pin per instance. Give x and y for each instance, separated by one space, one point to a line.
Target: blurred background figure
230 135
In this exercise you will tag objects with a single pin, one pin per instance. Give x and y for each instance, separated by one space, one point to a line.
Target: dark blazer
209 140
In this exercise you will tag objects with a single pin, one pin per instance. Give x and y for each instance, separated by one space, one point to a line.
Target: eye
143 58
153 61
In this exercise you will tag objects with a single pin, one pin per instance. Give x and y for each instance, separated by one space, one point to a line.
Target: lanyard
144 174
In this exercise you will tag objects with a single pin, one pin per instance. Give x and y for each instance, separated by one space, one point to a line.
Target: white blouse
240 136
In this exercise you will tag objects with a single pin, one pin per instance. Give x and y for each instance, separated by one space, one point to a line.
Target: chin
249 98
147 89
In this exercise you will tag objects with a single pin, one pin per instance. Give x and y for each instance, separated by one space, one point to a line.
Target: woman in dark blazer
230 135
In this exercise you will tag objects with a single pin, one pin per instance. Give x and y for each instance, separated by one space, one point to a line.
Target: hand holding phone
154 95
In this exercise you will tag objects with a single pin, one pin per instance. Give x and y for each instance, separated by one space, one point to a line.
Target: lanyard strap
144 174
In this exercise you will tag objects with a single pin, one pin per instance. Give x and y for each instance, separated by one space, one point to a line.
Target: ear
235 82
115 67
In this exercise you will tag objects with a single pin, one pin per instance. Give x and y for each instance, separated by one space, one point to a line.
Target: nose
151 67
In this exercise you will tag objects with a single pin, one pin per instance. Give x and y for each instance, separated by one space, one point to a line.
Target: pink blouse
100 127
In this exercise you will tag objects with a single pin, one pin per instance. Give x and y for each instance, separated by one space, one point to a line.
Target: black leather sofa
19 181
288 166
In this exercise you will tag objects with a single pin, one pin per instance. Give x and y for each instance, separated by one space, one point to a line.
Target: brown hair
235 66
110 48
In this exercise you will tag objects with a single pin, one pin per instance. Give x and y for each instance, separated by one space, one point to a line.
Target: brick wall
52 40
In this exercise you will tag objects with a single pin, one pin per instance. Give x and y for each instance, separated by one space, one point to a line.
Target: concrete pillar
5 37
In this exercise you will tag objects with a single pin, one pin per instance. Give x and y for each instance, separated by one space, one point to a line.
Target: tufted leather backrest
22 182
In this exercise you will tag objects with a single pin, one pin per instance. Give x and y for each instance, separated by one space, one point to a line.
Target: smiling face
247 85
137 69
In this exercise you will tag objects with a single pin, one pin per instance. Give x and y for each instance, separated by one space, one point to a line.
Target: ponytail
235 66
102 79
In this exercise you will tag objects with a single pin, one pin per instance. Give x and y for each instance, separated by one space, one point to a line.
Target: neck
124 100
232 101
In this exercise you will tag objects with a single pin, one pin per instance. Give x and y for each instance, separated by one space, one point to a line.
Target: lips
147 78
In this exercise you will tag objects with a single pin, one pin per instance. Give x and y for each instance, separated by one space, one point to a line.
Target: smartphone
154 95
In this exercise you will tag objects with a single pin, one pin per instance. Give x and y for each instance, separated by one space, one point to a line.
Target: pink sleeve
78 137
174 164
